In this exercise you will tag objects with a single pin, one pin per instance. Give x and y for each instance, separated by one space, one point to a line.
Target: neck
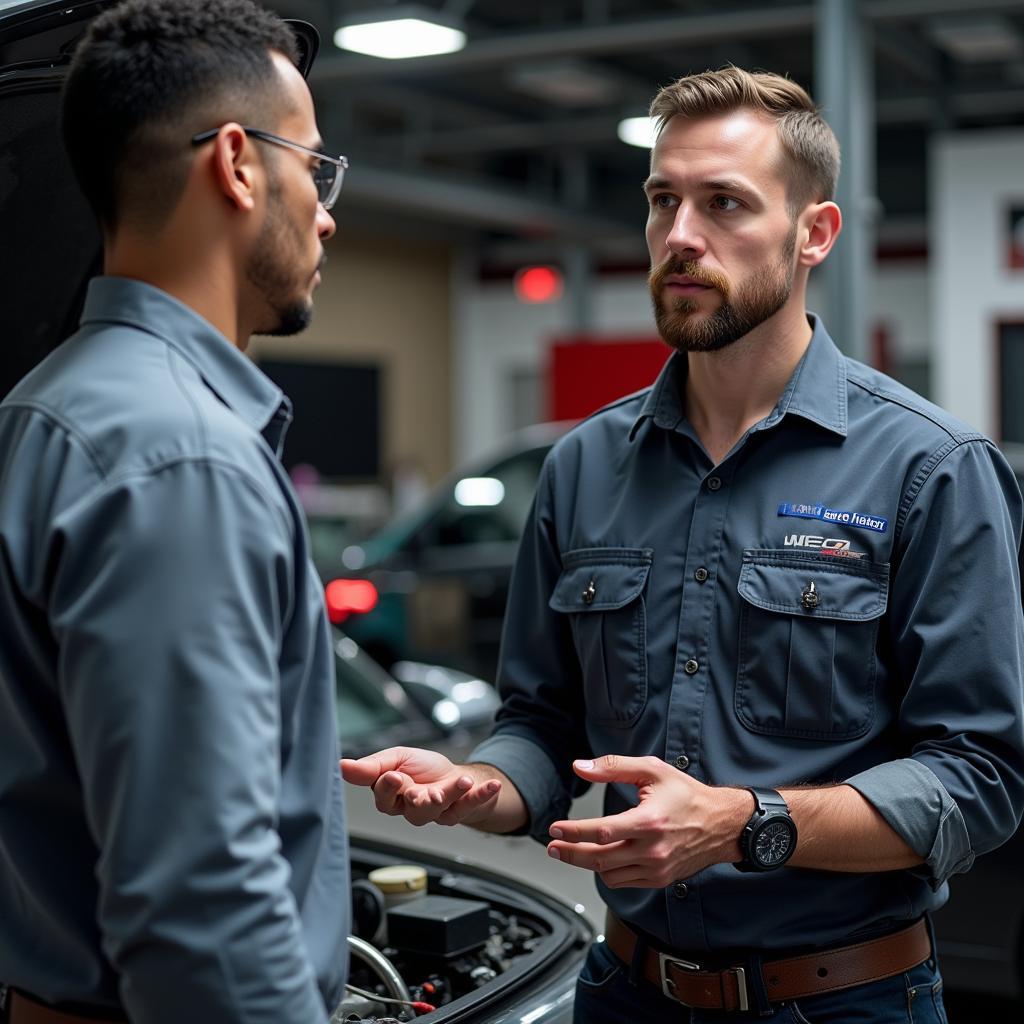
206 281
728 391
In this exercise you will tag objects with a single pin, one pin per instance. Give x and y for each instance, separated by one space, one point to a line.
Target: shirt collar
816 391
231 375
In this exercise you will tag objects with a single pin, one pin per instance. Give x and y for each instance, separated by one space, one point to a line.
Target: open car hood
51 244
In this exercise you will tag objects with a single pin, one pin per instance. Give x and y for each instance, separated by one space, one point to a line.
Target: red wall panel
586 373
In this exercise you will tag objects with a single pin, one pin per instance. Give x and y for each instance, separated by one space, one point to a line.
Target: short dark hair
809 143
149 74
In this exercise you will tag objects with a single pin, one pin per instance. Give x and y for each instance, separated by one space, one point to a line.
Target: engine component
445 926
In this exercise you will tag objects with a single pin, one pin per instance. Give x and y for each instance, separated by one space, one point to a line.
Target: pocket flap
601 579
843 588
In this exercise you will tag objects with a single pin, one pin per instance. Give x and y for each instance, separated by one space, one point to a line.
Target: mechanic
172 840
772 601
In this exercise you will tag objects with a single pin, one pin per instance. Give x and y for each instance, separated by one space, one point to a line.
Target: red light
538 284
349 597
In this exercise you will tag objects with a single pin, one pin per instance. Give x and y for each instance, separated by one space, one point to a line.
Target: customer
172 841
773 602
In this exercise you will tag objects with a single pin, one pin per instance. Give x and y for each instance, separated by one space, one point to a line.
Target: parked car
415 705
520 960
437 577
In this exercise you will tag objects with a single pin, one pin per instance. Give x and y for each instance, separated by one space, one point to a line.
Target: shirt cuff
917 806
533 773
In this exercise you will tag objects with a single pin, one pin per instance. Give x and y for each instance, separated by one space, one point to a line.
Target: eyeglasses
328 174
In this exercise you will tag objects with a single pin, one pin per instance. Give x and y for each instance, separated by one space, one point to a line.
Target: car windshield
367 699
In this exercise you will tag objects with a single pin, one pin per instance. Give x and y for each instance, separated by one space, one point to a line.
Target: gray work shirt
171 820
659 606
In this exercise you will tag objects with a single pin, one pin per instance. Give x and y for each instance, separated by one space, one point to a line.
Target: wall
974 178
388 303
498 337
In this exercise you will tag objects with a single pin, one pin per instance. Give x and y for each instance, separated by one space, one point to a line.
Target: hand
679 827
424 786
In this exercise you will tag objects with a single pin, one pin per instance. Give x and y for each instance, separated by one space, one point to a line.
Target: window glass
491 508
366 698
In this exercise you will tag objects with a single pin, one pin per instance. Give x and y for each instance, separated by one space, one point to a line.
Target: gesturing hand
424 786
679 827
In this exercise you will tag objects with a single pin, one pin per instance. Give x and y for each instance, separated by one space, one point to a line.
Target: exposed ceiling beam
633 35
479 204
975 103
906 51
614 37
902 10
523 135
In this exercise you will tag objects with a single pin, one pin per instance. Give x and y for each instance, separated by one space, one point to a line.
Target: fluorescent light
479 492
400 32
638 131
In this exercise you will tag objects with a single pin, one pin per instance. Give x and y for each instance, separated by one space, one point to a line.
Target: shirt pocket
601 590
806 660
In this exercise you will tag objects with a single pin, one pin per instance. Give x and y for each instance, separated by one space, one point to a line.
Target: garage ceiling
513 139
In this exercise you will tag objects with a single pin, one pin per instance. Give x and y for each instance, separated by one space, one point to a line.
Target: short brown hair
808 142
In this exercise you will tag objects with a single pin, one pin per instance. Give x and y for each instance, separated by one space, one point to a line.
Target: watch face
772 844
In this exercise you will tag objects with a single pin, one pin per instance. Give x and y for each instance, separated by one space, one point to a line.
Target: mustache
688 268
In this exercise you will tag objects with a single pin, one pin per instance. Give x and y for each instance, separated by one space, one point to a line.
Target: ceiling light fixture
400 31
638 131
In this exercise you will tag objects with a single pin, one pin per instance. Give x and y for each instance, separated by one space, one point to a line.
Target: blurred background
488 275
486 288
488 270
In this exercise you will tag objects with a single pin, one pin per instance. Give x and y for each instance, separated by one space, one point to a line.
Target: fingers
367 770
592 856
612 829
447 802
423 804
627 864
473 805
640 771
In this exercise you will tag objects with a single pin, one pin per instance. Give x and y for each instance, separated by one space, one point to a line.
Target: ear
821 224
234 166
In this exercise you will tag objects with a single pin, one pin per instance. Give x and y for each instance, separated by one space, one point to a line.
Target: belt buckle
667 985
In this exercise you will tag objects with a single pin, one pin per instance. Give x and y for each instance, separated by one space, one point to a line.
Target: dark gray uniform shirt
658 607
171 820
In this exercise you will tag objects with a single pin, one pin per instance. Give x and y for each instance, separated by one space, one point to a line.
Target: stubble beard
272 274
741 310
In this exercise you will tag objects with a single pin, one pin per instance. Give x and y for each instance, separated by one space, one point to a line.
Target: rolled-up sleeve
172 590
540 727
957 635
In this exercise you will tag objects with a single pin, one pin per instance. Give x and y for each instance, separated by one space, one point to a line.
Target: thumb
615 768
364 772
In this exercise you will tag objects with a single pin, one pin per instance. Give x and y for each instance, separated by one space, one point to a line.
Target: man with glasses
172 842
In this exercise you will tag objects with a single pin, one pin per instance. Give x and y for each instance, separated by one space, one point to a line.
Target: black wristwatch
769 838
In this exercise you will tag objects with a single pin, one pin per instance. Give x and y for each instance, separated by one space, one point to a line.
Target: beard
271 272
742 308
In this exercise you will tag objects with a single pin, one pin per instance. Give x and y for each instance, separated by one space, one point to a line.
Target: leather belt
24 1010
828 970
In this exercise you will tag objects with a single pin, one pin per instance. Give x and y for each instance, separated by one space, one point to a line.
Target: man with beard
172 834
772 601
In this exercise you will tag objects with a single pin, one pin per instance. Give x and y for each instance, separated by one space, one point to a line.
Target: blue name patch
834 515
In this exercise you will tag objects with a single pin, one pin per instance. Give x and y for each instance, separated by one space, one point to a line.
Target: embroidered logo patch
834 515
826 545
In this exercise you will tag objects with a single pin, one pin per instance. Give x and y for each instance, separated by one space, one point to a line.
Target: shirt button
701 575
691 666
714 483
679 890
682 762
589 593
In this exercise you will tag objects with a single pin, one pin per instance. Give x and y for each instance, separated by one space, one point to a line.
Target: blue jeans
605 995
